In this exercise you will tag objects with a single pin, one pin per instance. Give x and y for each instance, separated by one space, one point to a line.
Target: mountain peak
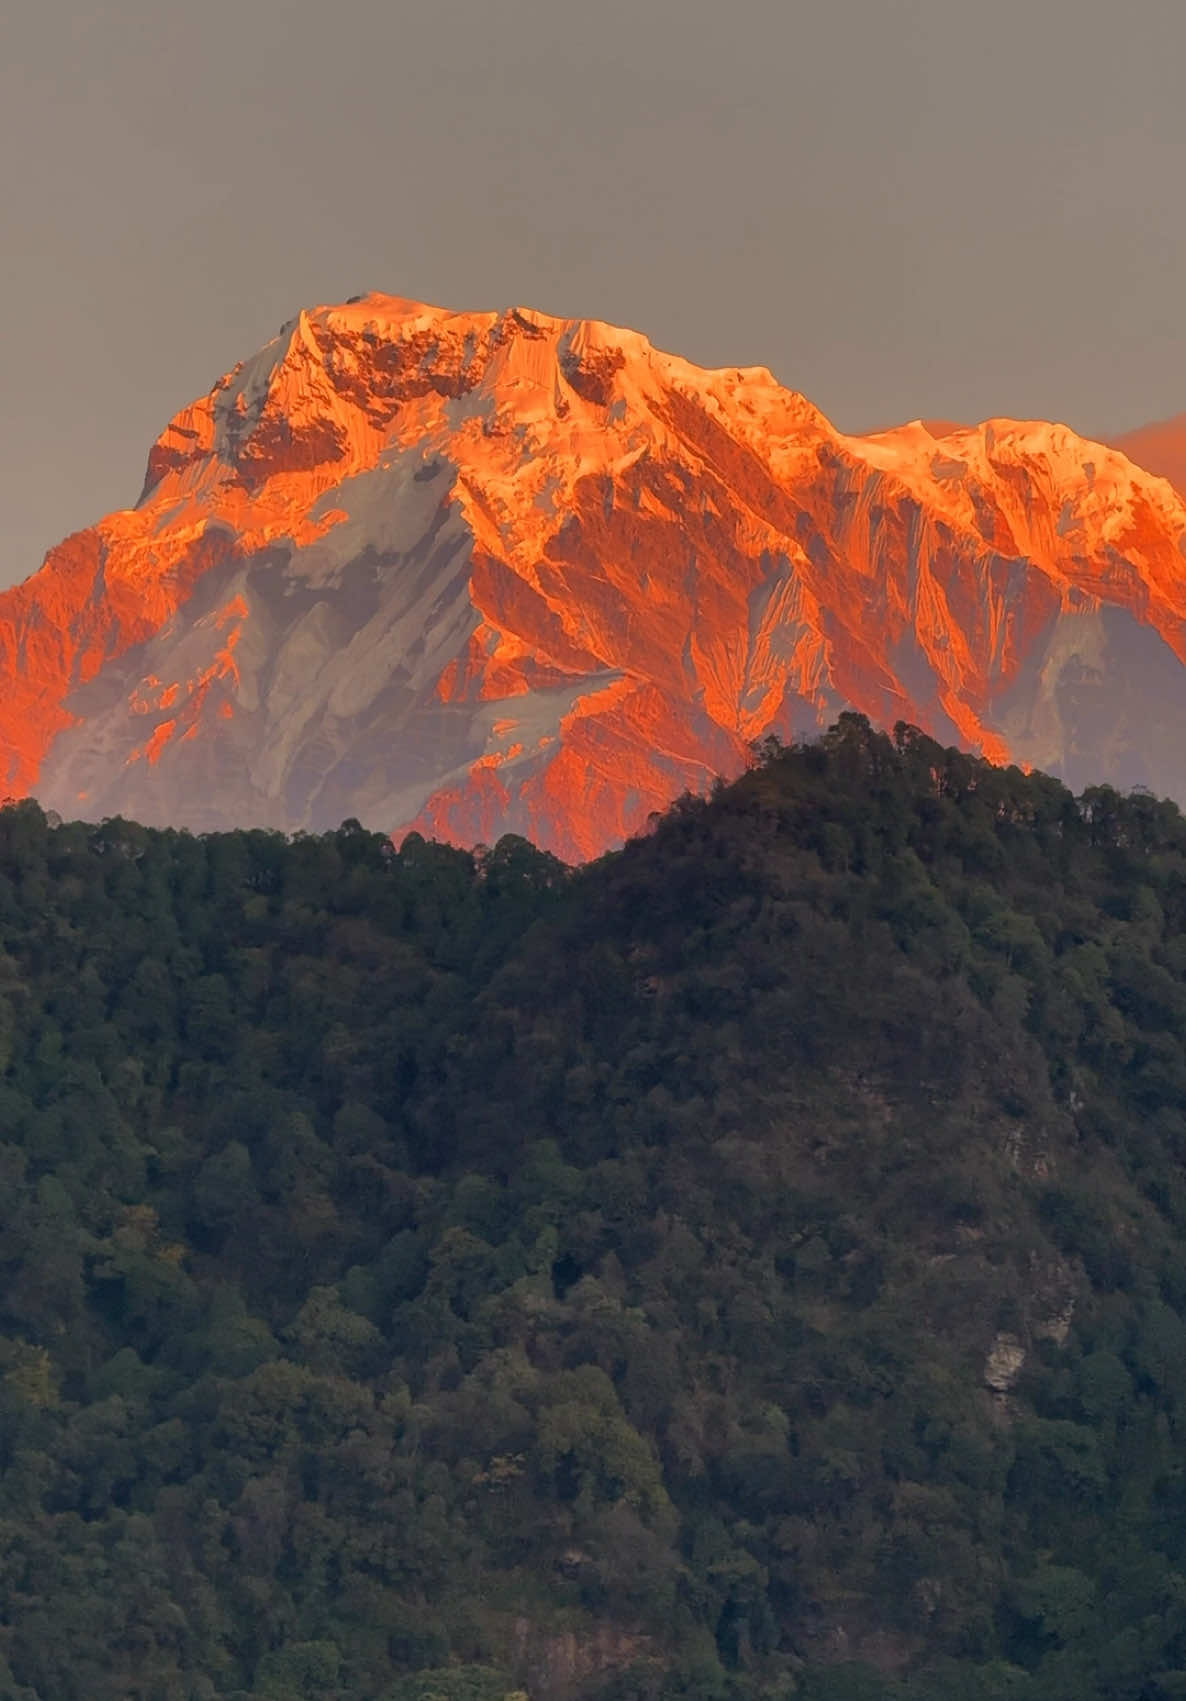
502 571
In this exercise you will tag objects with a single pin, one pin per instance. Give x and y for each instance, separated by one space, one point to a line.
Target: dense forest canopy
749 1266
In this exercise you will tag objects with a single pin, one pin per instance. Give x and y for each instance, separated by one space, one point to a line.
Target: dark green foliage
749 1267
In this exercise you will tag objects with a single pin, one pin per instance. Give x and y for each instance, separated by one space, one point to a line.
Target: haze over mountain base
479 573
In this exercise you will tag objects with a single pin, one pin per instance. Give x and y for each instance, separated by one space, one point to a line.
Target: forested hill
751 1266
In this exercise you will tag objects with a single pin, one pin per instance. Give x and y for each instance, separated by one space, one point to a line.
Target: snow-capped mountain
486 572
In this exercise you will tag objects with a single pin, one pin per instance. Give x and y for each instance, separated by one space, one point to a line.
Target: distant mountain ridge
485 572
1160 448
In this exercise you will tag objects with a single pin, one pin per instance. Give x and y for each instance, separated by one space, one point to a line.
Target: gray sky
903 207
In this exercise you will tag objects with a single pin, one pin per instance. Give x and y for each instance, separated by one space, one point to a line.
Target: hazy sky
903 207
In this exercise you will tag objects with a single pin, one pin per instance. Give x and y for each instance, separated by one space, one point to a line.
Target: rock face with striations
475 573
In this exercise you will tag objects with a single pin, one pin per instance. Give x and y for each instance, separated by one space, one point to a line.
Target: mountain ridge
485 572
1159 447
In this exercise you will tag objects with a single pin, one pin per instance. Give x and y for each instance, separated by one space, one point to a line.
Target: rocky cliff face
479 573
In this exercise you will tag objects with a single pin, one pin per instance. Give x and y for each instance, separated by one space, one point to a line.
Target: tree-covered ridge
751 1265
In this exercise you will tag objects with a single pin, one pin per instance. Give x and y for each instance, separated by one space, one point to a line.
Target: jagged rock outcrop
478 573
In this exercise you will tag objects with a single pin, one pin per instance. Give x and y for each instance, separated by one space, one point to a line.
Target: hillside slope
749 1266
481 572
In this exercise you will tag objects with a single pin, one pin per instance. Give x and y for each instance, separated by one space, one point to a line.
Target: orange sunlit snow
487 572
